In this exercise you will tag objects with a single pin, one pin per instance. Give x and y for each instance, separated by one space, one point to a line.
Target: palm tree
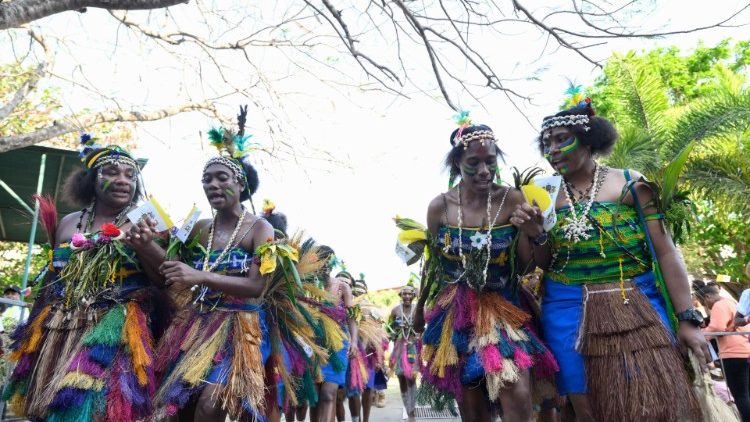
701 147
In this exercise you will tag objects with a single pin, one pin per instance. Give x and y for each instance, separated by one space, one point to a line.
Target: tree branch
15 13
31 82
8 143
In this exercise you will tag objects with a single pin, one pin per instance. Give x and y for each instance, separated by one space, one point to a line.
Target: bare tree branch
8 143
30 83
15 13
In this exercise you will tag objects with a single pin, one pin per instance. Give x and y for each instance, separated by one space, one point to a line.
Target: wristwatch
540 240
691 315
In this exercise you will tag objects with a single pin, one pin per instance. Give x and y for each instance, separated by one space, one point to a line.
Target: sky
383 155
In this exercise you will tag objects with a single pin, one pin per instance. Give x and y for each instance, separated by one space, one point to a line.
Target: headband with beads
112 154
464 121
575 100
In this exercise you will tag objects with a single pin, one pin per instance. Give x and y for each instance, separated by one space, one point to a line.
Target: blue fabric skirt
338 378
562 308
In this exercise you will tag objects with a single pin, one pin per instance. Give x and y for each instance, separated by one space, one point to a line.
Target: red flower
109 229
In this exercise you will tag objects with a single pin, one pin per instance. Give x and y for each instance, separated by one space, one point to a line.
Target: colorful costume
86 351
371 338
404 360
335 370
476 332
606 320
250 346
219 339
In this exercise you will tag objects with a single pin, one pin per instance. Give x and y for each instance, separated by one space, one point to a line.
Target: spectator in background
734 350
743 307
14 311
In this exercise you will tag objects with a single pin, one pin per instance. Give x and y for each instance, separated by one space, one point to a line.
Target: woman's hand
141 234
179 272
692 338
528 219
352 352
418 322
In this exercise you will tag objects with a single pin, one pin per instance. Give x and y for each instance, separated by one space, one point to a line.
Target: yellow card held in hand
544 191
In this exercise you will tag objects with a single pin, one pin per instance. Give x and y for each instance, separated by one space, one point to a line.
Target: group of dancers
242 320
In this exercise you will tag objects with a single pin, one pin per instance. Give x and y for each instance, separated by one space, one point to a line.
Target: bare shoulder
67 226
515 196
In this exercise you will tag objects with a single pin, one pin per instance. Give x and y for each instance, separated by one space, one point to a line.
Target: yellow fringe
32 344
196 365
334 333
132 336
82 381
446 353
427 351
446 300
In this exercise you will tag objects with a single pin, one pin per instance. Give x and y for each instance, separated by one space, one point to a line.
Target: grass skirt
83 365
621 355
226 346
471 336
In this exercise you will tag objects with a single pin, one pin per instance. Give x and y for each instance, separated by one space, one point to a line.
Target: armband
354 313
654 216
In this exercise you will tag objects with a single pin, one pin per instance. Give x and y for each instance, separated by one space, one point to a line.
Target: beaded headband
569 120
111 155
479 135
232 164
407 288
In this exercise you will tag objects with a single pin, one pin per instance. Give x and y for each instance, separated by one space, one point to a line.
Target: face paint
105 185
569 145
564 169
469 170
229 192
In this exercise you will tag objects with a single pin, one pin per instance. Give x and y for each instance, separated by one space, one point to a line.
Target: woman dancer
85 352
479 345
334 372
604 315
221 355
404 359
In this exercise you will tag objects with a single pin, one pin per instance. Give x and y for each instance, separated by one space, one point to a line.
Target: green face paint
564 169
570 145
105 185
229 192
469 170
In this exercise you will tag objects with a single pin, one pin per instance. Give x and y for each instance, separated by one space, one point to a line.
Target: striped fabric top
499 269
608 255
236 263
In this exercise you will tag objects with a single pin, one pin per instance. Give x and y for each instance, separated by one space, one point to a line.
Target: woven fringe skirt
613 344
84 365
474 336
224 347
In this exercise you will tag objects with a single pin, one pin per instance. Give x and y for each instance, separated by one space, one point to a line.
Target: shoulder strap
445 208
249 229
641 217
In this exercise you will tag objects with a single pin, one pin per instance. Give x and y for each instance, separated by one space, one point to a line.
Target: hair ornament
464 121
268 207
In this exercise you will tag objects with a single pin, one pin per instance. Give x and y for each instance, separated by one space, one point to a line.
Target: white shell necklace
577 227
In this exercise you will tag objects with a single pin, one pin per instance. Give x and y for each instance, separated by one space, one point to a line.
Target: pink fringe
492 361
356 382
546 366
466 307
522 359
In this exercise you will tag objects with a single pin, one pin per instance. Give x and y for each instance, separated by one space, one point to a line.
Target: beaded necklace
91 211
209 268
488 238
576 228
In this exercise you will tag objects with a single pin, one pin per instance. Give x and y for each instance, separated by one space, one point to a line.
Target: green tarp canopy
19 170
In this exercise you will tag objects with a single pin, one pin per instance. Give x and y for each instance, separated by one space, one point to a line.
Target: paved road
393 410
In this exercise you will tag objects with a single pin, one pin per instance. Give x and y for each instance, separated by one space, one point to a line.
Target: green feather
216 136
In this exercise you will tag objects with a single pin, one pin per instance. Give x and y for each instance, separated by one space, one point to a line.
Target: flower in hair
268 207
463 121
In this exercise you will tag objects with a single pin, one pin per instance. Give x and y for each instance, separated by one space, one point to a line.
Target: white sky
391 149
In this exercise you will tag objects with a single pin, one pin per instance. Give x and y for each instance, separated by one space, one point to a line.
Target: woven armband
354 313
654 216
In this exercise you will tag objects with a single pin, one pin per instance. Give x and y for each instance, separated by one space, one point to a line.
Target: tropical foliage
683 121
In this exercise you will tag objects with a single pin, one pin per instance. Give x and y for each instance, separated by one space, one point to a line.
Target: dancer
373 341
223 352
334 372
479 345
85 352
404 359
604 315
